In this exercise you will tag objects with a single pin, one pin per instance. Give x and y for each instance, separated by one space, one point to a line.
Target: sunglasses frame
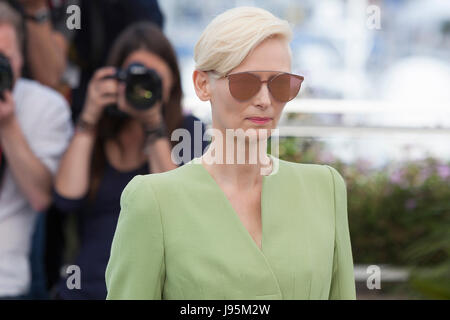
301 78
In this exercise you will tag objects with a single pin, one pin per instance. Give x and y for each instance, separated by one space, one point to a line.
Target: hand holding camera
33 5
135 91
101 93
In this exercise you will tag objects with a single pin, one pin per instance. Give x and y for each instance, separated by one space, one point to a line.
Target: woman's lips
259 120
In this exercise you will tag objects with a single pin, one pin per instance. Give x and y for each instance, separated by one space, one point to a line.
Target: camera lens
143 86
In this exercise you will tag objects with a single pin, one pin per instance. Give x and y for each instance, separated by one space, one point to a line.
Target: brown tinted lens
285 87
243 86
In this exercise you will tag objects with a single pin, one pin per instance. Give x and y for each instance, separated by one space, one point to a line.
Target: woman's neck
241 174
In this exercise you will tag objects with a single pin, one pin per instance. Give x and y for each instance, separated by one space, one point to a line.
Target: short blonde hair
232 35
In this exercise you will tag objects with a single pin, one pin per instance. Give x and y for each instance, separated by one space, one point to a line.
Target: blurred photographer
131 109
35 129
102 22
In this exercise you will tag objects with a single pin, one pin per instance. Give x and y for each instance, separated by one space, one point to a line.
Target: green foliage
398 214
433 282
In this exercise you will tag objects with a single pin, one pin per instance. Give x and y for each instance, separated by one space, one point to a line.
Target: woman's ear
202 85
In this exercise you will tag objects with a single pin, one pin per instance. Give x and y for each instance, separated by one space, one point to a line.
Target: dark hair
138 36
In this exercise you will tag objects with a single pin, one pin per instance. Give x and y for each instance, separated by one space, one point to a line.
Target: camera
6 75
143 86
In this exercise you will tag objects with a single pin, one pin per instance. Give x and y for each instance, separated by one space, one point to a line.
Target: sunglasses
283 86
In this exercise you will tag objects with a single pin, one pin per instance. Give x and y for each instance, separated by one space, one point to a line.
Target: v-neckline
227 201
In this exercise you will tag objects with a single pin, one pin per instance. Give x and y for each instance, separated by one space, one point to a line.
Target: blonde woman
220 229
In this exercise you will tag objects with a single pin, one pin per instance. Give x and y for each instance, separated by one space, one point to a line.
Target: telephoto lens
143 86
6 75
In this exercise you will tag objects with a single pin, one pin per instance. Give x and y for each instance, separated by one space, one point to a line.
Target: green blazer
178 237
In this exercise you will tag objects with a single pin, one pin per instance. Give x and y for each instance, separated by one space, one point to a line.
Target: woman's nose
263 96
